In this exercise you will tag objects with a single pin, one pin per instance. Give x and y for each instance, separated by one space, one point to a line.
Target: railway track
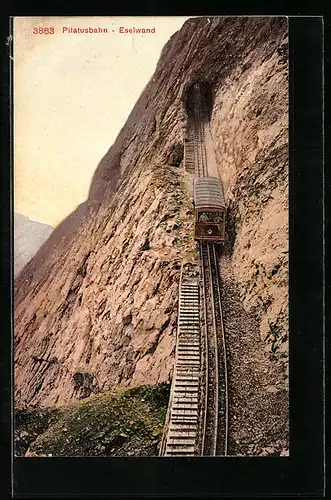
195 149
198 413
199 139
216 400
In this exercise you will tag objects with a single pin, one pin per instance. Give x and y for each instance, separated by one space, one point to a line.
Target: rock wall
97 305
250 135
108 316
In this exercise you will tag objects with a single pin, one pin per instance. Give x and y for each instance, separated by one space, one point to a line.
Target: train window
213 217
218 218
203 217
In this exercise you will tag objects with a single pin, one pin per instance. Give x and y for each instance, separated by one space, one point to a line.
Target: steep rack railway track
198 413
216 400
195 149
199 139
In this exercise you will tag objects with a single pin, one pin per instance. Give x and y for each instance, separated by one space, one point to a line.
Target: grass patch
190 255
121 422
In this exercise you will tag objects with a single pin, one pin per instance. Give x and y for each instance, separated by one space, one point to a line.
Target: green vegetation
190 255
275 337
121 422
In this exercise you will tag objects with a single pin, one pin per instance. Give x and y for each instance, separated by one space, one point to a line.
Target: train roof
208 192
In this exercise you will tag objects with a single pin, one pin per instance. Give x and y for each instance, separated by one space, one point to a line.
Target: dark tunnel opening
202 90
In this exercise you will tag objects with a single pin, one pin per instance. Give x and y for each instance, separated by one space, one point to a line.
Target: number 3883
43 30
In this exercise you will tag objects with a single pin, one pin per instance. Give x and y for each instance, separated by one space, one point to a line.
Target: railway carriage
209 209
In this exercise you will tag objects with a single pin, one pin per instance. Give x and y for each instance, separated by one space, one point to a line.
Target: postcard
151 236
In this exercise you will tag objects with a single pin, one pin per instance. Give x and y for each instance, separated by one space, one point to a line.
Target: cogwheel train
209 209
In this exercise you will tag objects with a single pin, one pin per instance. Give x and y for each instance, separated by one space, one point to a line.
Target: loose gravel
258 420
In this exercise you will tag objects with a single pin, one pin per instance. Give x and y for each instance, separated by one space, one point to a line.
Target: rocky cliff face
29 235
109 314
97 305
250 134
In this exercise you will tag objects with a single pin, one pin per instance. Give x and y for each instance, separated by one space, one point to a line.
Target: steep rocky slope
112 320
97 305
29 235
250 131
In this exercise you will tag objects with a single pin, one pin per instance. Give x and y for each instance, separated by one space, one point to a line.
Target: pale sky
72 95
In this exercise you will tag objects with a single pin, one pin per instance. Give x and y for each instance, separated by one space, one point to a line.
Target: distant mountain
29 235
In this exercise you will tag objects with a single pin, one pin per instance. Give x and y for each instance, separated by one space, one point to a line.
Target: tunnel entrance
199 155
202 92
